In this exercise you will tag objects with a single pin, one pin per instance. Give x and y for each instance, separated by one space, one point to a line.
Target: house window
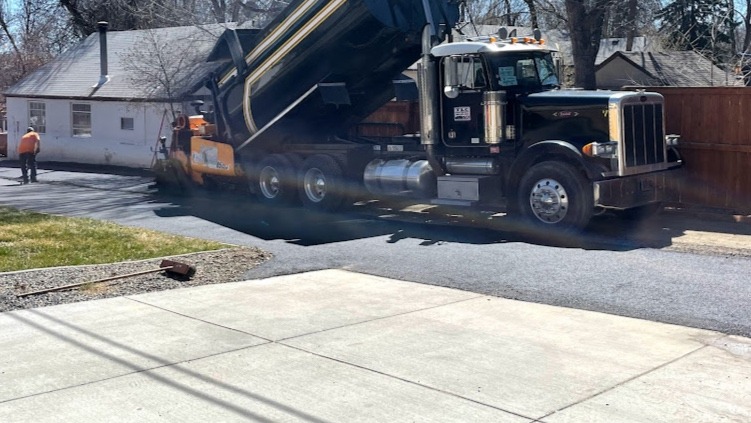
81 116
37 116
126 124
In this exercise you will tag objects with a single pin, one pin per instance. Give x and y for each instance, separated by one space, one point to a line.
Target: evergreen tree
706 26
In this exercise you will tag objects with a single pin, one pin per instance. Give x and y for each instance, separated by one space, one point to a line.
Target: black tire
555 195
322 184
638 214
168 178
184 184
274 181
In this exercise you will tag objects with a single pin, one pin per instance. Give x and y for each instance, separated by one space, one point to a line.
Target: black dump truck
496 129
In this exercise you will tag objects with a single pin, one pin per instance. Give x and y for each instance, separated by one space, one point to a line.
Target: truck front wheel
322 183
554 195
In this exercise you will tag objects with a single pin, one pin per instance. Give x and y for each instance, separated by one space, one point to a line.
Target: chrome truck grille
643 136
637 124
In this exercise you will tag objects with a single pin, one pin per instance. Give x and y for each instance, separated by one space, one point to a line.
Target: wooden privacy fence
715 128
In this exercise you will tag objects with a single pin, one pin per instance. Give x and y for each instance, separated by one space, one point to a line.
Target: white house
89 106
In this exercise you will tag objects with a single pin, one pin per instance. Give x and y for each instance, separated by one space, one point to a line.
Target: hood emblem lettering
565 114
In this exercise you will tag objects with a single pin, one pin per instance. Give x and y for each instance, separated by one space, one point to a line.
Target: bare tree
584 20
164 69
631 19
534 20
167 69
585 25
552 14
35 34
258 12
145 14
128 14
741 39
747 28
5 17
501 12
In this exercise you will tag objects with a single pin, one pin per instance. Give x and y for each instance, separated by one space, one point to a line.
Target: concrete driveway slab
526 358
294 305
711 385
46 349
269 383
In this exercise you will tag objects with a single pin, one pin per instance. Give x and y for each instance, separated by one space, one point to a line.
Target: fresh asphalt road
613 272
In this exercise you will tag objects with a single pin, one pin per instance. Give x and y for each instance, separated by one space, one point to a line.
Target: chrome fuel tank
400 177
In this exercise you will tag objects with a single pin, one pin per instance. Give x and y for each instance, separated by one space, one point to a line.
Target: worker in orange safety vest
28 149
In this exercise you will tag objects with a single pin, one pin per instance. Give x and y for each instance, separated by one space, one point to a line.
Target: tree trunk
80 23
585 27
9 35
631 22
747 27
533 12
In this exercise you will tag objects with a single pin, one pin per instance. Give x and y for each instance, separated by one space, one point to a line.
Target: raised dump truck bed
319 67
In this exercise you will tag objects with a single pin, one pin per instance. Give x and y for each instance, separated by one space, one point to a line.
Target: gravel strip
220 266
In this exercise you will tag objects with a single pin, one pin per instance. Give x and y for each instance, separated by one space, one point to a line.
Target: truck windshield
523 72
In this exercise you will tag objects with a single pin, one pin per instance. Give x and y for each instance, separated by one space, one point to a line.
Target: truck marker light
514 40
587 149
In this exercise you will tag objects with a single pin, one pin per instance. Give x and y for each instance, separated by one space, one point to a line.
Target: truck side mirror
558 61
451 68
197 104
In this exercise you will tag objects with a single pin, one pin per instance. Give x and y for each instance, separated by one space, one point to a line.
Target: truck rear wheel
275 181
554 195
322 183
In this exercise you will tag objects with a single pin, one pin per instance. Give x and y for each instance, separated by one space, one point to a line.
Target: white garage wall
108 144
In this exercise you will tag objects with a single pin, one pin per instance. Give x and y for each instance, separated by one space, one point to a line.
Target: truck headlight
604 150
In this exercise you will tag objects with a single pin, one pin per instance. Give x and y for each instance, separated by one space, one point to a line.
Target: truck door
462 121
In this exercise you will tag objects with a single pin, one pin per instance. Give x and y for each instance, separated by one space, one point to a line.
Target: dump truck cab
506 128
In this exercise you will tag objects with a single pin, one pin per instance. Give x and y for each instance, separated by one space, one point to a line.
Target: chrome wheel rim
314 184
549 201
269 182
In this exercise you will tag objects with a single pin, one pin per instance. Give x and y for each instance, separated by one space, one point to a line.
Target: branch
79 21
12 39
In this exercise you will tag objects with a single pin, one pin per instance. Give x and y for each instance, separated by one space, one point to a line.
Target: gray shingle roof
608 46
75 73
678 68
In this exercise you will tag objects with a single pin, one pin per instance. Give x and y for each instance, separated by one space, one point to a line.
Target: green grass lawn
30 240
